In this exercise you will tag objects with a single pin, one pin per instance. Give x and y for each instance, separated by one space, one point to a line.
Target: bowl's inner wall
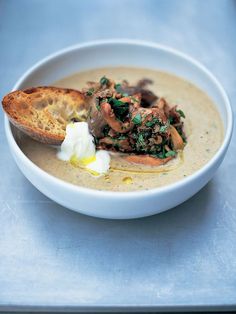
124 54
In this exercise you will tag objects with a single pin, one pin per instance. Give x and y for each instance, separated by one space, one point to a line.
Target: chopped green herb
106 130
90 92
137 119
147 133
159 155
141 139
134 99
98 102
115 102
104 80
171 119
117 87
181 113
151 123
134 135
182 135
122 137
170 153
163 128
121 109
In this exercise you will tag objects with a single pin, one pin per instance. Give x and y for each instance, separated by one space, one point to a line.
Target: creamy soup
203 128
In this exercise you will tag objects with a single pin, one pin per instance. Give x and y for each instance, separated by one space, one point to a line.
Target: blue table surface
50 256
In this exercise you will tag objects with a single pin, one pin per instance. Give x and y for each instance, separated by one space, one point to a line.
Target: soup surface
203 128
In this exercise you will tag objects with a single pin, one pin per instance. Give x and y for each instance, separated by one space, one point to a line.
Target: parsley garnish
171 119
181 113
104 80
141 139
121 109
160 155
163 128
97 102
151 123
122 137
90 92
106 130
170 153
137 119
118 87
134 99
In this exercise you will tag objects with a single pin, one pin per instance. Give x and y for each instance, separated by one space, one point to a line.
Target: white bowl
97 54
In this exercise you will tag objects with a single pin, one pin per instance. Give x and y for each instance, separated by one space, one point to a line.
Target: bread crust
43 112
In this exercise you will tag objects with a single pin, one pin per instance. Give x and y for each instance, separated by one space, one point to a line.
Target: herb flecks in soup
202 127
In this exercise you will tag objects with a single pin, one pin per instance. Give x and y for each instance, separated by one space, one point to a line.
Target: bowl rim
136 193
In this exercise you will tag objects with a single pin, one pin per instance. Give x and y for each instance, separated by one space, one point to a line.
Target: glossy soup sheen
203 128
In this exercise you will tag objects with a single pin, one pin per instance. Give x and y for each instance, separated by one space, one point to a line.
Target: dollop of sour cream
78 147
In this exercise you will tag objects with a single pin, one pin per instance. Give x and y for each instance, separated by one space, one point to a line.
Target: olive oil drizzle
159 169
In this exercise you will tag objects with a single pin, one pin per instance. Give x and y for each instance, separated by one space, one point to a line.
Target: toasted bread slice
43 112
